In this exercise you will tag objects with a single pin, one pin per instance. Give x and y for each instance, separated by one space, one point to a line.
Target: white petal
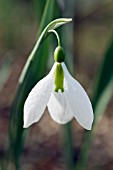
58 108
78 100
38 98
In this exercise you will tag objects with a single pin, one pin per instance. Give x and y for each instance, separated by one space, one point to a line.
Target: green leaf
103 89
105 75
33 71
102 95
103 101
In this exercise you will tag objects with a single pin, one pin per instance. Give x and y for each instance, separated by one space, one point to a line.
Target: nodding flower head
62 94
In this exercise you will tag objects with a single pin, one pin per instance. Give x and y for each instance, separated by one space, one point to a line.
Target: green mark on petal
59 78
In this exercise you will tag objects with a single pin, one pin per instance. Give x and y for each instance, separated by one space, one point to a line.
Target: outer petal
78 100
38 98
58 108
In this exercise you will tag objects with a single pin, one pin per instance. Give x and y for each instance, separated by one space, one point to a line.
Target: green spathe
59 55
59 78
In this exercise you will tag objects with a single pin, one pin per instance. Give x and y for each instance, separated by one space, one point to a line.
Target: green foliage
5 68
33 71
38 65
106 74
102 95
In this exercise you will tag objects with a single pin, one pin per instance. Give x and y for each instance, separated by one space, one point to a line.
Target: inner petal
58 108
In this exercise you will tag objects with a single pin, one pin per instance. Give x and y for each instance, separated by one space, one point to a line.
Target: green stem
68 147
85 150
57 36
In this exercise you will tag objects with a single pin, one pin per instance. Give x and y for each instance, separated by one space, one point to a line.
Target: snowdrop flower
62 94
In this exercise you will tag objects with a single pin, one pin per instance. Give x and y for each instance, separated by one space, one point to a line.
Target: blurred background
88 43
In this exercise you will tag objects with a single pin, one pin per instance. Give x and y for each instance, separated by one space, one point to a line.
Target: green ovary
59 78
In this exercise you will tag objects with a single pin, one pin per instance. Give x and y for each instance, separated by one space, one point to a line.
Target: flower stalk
57 36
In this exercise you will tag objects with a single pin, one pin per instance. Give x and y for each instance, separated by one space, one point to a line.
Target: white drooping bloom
62 106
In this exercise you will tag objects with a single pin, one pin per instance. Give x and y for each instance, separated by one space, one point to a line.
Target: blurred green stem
85 149
68 146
